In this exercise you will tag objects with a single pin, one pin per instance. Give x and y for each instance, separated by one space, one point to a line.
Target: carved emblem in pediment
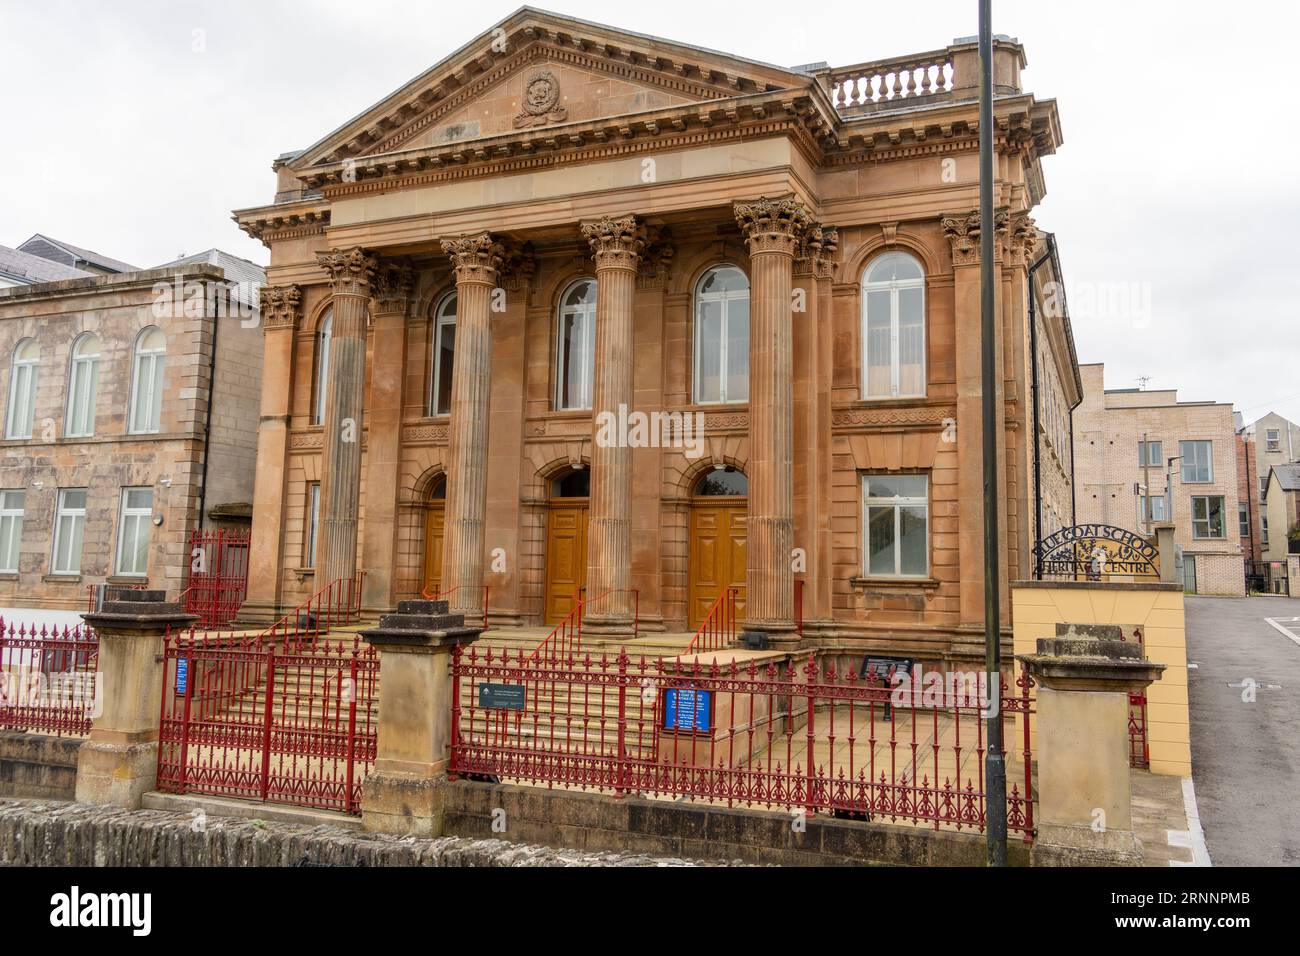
541 101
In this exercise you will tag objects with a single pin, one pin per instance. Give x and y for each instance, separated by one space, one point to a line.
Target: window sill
862 583
61 578
127 579
8 575
304 573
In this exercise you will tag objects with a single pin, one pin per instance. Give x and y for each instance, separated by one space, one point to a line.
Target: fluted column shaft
477 262
772 229
616 245
351 273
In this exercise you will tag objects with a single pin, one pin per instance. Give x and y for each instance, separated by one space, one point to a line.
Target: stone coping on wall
1103 585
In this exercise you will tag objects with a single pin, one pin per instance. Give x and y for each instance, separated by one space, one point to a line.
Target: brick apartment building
1124 442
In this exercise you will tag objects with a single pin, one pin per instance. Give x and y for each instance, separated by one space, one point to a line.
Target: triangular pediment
536 69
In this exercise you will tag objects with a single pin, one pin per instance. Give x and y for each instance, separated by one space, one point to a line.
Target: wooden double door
718 549
434 517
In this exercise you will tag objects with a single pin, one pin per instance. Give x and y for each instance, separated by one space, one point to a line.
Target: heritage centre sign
1088 551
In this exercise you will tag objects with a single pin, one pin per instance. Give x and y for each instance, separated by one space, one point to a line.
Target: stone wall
37 765
599 823
47 833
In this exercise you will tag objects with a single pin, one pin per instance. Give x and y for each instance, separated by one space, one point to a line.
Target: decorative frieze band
933 415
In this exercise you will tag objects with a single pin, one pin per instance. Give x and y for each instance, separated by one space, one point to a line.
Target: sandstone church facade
581 308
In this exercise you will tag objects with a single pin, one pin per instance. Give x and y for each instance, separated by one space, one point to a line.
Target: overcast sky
1175 198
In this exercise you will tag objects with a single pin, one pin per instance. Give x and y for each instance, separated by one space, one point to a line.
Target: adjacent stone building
579 307
1283 508
129 419
1129 440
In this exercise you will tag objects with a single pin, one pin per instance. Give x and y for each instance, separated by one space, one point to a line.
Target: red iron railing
787 735
566 637
288 724
432 595
335 605
1139 748
719 628
218 578
48 679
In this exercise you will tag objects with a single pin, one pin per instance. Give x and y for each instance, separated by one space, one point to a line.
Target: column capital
963 231
815 254
391 290
280 306
350 270
475 258
773 225
616 242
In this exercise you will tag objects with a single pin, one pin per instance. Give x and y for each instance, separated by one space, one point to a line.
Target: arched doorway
566 541
435 512
718 538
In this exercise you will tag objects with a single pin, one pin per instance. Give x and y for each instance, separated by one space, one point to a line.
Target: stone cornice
350 270
285 221
280 306
616 243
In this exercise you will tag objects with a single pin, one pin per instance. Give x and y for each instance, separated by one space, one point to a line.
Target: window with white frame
1197 465
722 336
1157 508
22 389
147 381
1207 516
893 328
83 381
1150 453
443 350
133 526
1273 439
575 353
323 335
896 526
313 522
1263 530
1243 519
11 529
69 528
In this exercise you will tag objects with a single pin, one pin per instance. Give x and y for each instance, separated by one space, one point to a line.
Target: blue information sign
182 674
686 708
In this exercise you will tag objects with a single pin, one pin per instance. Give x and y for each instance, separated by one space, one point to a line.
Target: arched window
575 354
443 349
147 380
722 482
323 364
722 336
893 328
81 386
22 389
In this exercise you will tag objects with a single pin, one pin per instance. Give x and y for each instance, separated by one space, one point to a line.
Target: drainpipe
1033 391
207 418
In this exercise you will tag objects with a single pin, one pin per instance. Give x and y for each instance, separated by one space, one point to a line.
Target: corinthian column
616 245
772 230
350 272
391 299
477 261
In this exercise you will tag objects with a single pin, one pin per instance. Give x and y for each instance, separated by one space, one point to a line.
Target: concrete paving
1244 679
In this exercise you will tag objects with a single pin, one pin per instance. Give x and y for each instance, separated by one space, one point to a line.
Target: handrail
719 626
441 595
339 602
566 637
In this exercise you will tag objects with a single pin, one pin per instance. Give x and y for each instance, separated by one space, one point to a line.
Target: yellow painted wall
1035 612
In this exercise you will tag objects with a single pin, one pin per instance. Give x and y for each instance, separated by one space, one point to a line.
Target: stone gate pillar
616 245
773 229
351 273
392 296
118 763
477 261
1085 675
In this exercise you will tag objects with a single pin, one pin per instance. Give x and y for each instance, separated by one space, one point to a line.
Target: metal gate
218 575
268 721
